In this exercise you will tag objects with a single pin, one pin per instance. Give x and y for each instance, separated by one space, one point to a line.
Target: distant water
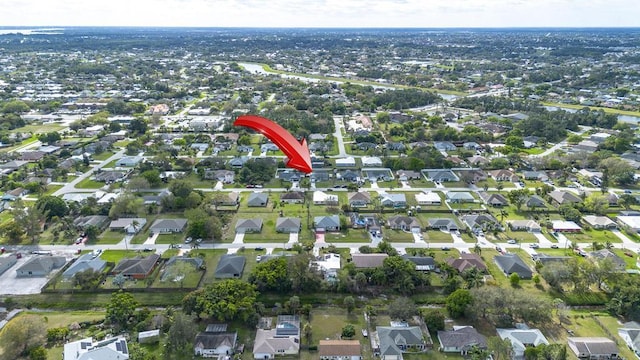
623 118
17 31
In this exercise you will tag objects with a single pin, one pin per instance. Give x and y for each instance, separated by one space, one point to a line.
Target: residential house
196 263
168 226
339 350
227 199
443 224
535 201
423 263
199 146
535 175
596 348
288 225
467 261
283 340
513 264
492 199
322 198
225 176
238 162
257 199
249 226
88 349
292 197
564 197
394 341
346 162
217 343
472 145
457 197
547 259
606 254
326 223
524 225
348 175
230 266
630 333
428 198
370 161
405 223
32 156
109 177
440 175
138 267
480 222
6 262
521 338
586 146
128 225
329 264
599 222
149 337
364 261
396 146
15 194
629 222
85 262
129 161
359 199
99 221
477 160
565 226
395 200
406 175
461 339
444 146
289 175
39 266
504 175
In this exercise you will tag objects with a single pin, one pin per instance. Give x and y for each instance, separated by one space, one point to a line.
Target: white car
511 241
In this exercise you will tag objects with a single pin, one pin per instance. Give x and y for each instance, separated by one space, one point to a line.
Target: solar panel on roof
124 347
119 346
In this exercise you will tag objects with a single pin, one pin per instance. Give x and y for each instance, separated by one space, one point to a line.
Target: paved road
71 186
339 125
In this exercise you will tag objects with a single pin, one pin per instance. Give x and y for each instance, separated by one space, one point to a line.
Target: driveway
151 240
10 284
293 238
625 240
239 238
456 239
542 240
417 236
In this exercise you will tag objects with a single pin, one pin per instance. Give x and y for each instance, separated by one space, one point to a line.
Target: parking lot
10 284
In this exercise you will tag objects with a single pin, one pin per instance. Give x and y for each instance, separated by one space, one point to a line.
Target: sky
322 13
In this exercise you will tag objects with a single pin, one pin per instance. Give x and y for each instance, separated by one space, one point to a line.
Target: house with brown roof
359 199
467 261
504 175
292 197
564 197
405 223
362 261
138 267
339 350
493 199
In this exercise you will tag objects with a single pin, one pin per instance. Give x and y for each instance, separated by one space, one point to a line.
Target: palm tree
477 249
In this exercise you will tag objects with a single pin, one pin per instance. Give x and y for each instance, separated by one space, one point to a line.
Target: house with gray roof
99 221
593 348
599 222
444 145
83 263
524 225
6 262
512 263
535 201
443 224
359 199
284 339
327 223
249 225
368 260
128 225
129 161
138 267
440 175
461 339
535 175
493 199
459 197
423 263
395 200
630 333
288 225
215 344
257 199
230 266
606 254
405 223
522 338
564 197
109 177
39 266
393 341
292 197
168 226
479 222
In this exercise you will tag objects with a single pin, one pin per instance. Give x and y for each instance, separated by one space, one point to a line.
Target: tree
514 279
536 279
152 176
518 197
596 203
271 275
349 304
180 188
402 308
50 137
92 232
21 334
87 279
477 353
138 184
457 302
121 308
477 249
500 349
294 304
203 226
434 319
307 332
119 280
52 206
224 301
12 231
138 126
182 331
38 353
348 331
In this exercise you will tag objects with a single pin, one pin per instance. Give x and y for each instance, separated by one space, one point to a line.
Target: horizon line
52 27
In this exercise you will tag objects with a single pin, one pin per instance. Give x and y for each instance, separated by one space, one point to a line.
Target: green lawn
350 235
397 236
589 236
191 279
436 236
109 237
38 128
116 255
89 184
102 156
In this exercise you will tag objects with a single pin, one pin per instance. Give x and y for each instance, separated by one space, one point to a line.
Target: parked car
511 241
147 249
446 248
554 246
534 246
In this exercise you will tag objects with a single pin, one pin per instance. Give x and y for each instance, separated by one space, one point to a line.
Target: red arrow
297 152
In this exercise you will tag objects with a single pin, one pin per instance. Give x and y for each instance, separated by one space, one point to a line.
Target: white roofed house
322 198
521 338
428 198
88 349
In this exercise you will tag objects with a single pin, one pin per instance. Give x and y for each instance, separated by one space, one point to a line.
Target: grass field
89 184
110 237
605 109
38 128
